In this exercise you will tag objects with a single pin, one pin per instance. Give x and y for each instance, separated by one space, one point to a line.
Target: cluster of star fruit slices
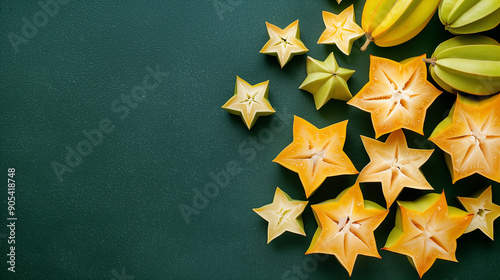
397 96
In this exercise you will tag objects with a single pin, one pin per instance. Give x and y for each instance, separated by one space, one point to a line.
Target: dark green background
117 213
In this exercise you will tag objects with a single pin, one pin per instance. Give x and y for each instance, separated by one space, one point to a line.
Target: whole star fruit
389 23
467 63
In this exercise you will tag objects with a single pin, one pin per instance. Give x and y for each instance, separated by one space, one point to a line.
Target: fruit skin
426 229
467 63
470 137
392 22
469 16
326 80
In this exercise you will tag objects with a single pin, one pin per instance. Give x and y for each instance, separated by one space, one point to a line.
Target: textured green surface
116 215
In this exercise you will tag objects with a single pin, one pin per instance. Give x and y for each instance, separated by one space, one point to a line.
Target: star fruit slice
316 153
345 227
284 43
484 210
284 214
397 95
326 80
249 101
394 165
470 137
341 29
427 229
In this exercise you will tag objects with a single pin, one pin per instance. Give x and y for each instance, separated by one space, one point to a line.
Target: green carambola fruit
326 80
469 16
467 63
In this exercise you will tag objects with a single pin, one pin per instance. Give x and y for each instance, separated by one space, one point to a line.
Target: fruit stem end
432 61
369 39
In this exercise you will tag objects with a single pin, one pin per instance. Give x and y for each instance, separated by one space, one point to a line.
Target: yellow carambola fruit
392 22
469 16
467 63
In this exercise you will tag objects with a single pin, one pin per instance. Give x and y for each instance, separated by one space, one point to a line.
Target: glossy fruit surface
467 63
326 80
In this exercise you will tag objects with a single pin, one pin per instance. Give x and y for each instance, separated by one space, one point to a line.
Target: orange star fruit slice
397 95
316 153
427 229
394 165
345 227
470 137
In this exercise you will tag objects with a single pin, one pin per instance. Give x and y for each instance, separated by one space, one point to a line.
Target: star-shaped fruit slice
427 229
249 101
394 165
284 43
316 153
284 214
470 137
345 227
397 95
341 30
484 210
326 80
